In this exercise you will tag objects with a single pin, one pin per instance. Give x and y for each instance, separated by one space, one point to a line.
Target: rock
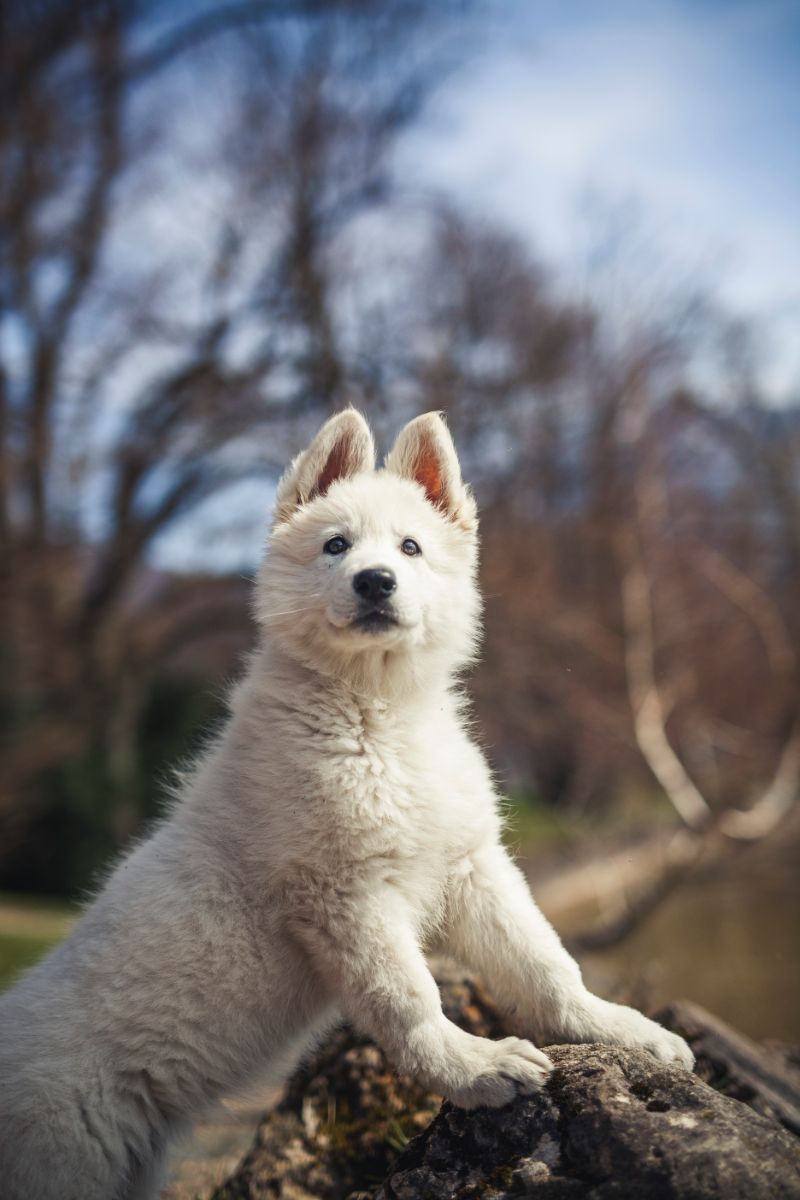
346 1114
764 1077
610 1125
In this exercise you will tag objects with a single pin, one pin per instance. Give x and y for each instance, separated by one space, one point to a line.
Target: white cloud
692 109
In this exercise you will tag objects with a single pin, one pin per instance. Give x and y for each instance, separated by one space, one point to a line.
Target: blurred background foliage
210 239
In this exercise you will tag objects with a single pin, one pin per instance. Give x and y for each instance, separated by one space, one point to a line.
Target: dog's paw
672 1048
499 1071
617 1025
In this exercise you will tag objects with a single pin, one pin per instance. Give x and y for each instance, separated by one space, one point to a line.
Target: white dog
341 825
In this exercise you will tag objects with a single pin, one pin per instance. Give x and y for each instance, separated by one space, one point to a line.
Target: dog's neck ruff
372 678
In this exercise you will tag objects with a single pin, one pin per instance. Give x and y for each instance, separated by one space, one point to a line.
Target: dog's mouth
376 620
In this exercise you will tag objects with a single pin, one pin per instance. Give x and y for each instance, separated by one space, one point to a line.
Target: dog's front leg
496 928
365 951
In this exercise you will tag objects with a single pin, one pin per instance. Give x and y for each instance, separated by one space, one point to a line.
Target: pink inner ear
428 472
336 466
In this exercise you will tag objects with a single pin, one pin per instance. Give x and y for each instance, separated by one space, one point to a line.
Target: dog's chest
382 793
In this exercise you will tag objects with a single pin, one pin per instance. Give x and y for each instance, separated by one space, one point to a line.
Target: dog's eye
336 545
410 547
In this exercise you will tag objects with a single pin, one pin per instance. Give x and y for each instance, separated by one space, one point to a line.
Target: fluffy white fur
342 824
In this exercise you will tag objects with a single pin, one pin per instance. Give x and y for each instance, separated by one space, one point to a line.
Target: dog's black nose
374 584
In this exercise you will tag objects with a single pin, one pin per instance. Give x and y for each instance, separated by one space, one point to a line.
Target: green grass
29 927
18 953
532 825
528 822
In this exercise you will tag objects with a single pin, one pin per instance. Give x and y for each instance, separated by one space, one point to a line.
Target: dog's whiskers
288 612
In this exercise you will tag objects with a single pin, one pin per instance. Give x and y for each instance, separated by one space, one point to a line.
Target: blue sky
687 112
690 110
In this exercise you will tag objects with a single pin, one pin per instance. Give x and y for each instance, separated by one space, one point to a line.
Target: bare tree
133 388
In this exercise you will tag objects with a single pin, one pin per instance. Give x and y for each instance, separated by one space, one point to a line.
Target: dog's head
367 568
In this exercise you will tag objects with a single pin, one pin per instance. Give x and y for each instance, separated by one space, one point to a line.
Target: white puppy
341 825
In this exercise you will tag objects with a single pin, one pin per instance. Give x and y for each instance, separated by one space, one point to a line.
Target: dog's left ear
341 449
424 452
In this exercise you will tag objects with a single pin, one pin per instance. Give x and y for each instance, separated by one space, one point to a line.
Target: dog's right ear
341 449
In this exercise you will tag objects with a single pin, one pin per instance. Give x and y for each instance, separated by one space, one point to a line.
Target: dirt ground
205 1159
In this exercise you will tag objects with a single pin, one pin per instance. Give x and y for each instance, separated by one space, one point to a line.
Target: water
729 941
